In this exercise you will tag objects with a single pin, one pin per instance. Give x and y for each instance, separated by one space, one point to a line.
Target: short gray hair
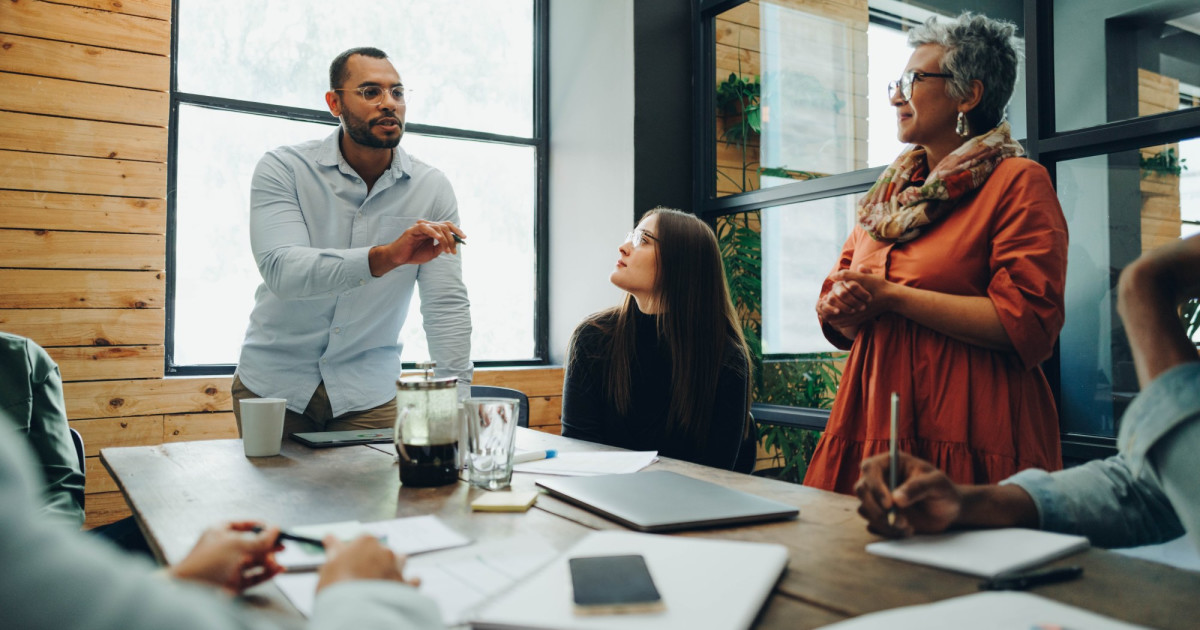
977 47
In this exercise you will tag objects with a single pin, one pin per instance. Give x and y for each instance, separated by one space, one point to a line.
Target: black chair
487 391
79 454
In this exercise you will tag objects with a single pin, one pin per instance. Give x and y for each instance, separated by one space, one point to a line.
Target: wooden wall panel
50 97
85 26
90 64
96 363
34 249
86 327
157 9
88 138
545 411
29 288
531 381
110 399
89 213
200 426
128 431
71 174
96 478
104 508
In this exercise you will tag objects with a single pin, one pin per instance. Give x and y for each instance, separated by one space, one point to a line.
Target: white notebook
999 610
710 584
986 553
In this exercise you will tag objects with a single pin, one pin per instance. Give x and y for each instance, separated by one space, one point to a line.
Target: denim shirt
319 315
1146 493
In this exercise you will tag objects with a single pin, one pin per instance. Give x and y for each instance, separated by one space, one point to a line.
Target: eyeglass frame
913 77
638 237
382 90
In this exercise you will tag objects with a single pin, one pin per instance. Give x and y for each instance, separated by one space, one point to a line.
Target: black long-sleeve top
588 413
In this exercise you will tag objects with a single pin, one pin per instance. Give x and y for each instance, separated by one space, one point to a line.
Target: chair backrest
488 391
77 439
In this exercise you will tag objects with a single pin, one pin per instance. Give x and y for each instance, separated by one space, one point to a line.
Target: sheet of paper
582 464
986 553
1000 610
457 579
405 536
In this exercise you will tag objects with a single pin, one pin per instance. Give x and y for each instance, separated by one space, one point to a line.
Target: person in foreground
668 369
57 579
31 399
1147 493
949 291
342 230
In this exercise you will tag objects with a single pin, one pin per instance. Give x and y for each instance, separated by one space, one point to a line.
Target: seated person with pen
55 578
1145 494
668 369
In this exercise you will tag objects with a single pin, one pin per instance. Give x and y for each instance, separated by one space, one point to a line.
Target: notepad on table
985 553
1000 610
705 583
508 501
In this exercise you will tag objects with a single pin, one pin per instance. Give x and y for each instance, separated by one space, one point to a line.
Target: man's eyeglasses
373 94
639 236
908 79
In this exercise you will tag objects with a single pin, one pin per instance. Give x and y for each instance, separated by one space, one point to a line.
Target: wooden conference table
178 489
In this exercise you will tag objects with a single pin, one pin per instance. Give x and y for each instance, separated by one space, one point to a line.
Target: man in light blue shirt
1147 493
342 230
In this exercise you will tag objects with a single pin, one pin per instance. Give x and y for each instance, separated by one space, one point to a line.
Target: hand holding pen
925 500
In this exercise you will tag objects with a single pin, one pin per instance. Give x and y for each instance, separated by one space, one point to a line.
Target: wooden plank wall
1160 192
83 155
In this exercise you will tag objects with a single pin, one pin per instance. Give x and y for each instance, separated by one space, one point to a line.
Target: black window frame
540 141
1044 144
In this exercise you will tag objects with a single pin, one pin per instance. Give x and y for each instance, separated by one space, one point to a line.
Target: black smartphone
608 585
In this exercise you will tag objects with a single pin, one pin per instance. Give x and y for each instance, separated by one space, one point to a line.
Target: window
250 75
1117 127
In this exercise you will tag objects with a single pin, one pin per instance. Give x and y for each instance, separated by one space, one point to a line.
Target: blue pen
533 456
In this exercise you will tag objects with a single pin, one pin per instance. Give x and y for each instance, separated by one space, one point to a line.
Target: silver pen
893 457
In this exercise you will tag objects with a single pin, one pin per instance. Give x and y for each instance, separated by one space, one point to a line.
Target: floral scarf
896 208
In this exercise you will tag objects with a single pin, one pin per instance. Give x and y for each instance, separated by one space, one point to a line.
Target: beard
359 130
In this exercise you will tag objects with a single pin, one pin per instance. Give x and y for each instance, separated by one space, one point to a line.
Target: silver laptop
661 501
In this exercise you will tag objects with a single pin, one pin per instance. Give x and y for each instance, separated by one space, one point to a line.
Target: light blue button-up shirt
319 315
1148 492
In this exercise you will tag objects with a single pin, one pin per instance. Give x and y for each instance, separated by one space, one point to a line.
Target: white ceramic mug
262 425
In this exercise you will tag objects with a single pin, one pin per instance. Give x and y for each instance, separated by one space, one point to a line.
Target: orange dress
979 415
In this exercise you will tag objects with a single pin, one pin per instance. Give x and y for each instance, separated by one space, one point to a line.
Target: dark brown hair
696 321
337 69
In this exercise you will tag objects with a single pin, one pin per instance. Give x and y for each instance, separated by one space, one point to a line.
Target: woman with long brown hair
668 369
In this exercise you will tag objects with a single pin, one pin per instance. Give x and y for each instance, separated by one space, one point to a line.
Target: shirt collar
330 154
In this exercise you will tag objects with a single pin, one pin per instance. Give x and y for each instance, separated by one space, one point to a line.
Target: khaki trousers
318 416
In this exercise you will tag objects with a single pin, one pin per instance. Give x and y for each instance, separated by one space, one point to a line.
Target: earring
961 127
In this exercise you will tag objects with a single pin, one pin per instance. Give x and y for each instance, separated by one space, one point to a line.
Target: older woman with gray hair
949 292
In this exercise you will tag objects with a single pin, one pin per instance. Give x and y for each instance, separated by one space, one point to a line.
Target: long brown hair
696 321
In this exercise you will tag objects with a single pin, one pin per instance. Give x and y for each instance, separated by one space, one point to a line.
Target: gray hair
976 48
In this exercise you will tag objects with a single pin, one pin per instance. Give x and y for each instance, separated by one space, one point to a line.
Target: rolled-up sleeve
1145 494
290 266
1029 263
445 307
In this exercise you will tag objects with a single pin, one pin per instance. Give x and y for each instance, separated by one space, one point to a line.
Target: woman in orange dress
949 291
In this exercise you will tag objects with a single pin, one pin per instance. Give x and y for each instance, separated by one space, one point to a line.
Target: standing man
342 229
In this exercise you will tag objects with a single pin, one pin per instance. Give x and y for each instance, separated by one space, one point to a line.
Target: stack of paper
590 463
986 553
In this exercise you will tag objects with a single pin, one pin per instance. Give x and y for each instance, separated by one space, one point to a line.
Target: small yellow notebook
509 501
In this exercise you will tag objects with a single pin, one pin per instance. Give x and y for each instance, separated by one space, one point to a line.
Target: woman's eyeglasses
639 236
905 84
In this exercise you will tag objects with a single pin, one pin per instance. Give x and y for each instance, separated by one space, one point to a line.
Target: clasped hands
232 557
854 298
